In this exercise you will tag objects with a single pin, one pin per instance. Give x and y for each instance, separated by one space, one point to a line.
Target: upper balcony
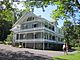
36 25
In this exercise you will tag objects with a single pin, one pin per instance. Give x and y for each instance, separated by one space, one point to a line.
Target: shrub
9 39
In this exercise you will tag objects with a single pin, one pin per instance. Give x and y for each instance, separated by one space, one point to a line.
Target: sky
46 14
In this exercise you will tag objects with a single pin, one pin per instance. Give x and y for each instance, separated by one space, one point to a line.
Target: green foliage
4 29
6 14
68 31
65 9
9 38
78 35
71 35
59 12
7 17
75 56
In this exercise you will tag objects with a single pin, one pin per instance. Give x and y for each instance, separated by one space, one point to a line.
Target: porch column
48 39
41 35
19 36
56 38
48 45
34 40
48 36
14 36
25 45
43 44
43 41
22 44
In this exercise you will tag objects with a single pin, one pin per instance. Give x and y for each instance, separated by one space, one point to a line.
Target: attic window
30 18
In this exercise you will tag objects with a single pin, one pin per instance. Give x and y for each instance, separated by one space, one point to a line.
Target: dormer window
30 18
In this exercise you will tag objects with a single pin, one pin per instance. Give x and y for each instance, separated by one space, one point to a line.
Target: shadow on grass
59 59
71 50
21 55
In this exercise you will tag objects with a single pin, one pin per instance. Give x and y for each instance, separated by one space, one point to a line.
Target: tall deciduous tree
68 31
77 32
71 36
8 16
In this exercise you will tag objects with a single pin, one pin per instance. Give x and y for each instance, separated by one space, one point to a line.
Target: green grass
75 56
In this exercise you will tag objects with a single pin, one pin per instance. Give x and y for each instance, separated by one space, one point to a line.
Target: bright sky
46 14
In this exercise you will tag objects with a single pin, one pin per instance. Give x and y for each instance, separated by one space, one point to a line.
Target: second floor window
34 25
24 26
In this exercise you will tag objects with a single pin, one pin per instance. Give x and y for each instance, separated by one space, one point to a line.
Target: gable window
30 18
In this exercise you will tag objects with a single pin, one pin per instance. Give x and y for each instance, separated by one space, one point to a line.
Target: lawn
75 56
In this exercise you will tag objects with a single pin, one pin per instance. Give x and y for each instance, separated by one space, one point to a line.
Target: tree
9 38
8 16
5 20
71 36
68 31
44 3
77 32
4 29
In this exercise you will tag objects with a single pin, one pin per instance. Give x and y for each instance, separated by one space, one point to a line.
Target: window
36 35
53 28
17 36
30 18
58 39
46 26
21 36
24 26
50 37
53 37
35 25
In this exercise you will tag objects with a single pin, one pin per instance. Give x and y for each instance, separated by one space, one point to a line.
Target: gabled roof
29 14
25 16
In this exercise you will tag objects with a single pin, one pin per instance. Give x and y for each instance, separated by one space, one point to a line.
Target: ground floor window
53 37
17 36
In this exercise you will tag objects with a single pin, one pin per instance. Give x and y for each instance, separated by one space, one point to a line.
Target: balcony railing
36 29
31 29
34 40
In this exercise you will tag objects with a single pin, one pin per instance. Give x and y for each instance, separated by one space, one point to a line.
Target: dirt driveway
47 54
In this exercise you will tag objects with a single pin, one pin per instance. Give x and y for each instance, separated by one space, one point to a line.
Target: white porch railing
34 40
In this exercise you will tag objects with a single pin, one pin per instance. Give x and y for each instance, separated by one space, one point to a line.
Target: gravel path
8 52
